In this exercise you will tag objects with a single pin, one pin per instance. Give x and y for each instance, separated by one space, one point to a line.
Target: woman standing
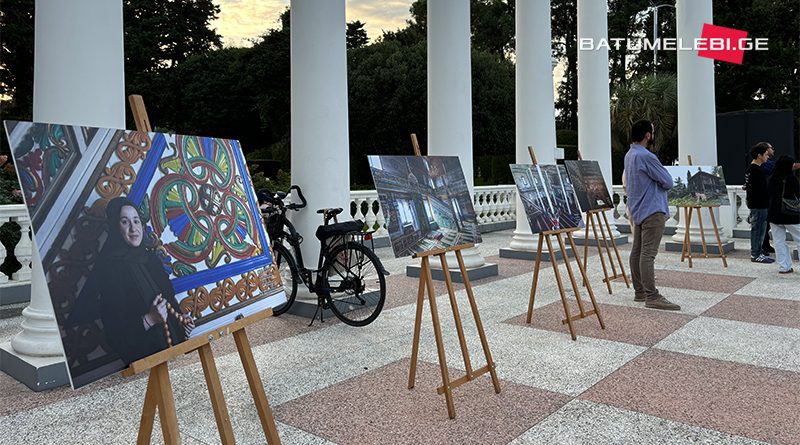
138 308
783 186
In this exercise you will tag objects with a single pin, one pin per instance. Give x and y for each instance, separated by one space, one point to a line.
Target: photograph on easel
697 185
426 202
146 239
590 187
547 196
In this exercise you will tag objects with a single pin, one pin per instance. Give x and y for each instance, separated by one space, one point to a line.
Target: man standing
755 183
648 182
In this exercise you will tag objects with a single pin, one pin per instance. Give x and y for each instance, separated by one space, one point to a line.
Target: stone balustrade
493 204
496 204
11 285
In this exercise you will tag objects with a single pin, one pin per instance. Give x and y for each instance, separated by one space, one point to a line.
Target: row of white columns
79 79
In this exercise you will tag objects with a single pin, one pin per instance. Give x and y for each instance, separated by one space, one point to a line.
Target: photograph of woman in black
137 302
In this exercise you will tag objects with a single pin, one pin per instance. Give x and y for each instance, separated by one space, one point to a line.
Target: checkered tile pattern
723 370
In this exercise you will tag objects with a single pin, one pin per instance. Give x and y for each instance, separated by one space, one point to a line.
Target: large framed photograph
426 202
547 196
590 188
146 239
697 185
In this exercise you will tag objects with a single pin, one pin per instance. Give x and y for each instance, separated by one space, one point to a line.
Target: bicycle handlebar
267 196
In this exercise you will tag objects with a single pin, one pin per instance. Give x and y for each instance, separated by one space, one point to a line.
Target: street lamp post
641 15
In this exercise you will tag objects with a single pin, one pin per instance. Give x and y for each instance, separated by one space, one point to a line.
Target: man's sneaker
662 303
786 271
762 259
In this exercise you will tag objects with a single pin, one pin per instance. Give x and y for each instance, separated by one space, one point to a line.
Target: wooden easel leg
148 410
412 373
588 288
719 241
560 286
687 236
571 275
456 314
589 221
702 233
478 324
616 251
217 397
437 332
256 387
600 253
535 277
166 406
685 233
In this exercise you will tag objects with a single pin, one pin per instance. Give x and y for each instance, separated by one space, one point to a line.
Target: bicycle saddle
329 213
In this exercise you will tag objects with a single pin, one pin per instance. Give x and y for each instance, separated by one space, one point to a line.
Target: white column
534 99
450 91
697 116
78 79
79 71
320 145
594 109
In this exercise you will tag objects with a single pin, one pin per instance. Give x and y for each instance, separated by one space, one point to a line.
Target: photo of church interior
548 197
426 202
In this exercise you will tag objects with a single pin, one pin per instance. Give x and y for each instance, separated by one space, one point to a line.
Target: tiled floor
724 370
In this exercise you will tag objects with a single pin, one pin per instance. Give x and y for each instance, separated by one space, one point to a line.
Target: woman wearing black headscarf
783 185
137 302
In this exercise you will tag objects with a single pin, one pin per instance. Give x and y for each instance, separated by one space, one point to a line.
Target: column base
741 233
530 255
37 373
497 226
713 249
13 293
624 228
475 273
379 242
619 240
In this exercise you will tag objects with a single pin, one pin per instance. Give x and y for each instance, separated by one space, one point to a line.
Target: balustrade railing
493 204
10 214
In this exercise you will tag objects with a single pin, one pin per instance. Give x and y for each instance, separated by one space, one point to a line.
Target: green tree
356 35
654 98
16 60
564 30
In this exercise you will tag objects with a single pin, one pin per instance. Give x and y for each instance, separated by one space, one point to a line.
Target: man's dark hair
759 149
639 129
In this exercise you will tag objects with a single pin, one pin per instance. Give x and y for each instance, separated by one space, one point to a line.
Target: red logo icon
725 44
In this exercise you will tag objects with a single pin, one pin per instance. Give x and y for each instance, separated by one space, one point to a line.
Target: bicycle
349 278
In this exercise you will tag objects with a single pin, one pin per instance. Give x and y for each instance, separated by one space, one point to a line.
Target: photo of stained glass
697 185
590 187
547 196
146 239
426 202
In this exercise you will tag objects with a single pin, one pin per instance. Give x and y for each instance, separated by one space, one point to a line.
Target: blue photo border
139 189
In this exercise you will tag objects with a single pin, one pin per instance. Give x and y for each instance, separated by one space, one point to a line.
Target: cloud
242 20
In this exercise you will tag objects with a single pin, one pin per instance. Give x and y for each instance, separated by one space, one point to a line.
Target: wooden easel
605 227
557 234
159 390
686 249
426 283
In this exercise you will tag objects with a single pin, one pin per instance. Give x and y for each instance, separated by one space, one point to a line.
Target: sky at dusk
242 20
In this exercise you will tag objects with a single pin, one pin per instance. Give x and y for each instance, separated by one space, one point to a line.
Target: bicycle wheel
284 261
354 275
